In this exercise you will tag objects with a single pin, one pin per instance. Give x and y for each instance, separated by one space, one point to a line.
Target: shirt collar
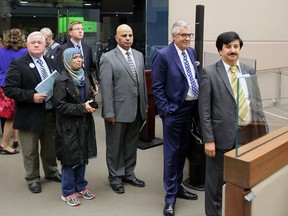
227 67
75 43
124 51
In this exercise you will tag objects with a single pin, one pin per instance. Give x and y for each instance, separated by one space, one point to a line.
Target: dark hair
226 38
14 39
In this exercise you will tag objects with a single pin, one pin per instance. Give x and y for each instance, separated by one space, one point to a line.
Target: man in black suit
217 111
34 117
75 32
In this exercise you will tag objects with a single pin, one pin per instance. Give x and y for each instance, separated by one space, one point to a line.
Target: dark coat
21 79
75 129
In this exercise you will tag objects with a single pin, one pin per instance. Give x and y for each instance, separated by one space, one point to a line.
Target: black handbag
196 133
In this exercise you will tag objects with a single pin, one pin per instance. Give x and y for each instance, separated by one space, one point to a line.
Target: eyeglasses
78 29
184 35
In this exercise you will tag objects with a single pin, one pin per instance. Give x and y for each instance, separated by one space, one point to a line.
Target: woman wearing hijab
14 46
75 129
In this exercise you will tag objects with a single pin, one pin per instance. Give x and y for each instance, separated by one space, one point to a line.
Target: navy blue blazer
169 82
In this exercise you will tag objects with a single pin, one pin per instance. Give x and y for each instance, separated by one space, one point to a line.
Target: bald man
125 105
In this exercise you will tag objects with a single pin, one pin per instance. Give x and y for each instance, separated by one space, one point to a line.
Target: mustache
233 53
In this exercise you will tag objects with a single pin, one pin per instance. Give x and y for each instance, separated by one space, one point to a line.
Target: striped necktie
132 66
190 75
242 102
43 71
133 69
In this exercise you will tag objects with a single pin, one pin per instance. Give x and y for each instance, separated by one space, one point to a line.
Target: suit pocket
119 99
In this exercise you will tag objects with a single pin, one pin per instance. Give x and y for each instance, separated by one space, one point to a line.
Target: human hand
112 120
39 98
88 107
210 149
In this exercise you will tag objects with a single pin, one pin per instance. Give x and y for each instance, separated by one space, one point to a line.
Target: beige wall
262 25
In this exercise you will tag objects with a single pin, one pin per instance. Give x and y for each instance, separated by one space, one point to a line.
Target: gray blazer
119 88
217 106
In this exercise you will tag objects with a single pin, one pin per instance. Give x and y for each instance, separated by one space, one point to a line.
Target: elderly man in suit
175 84
125 105
34 117
218 116
75 32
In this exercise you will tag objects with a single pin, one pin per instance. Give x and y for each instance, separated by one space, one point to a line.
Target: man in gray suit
218 116
125 105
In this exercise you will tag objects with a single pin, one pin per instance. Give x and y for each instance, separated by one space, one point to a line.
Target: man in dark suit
75 32
34 117
218 116
125 104
175 84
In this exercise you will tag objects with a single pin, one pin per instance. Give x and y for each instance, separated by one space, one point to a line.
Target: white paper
46 86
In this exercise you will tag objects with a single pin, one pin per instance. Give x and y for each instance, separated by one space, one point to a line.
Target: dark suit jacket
21 79
169 82
217 106
89 65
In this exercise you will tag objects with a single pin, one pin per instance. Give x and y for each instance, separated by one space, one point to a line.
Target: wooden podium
147 137
256 161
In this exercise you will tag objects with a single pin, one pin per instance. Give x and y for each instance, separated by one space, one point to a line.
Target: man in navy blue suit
175 82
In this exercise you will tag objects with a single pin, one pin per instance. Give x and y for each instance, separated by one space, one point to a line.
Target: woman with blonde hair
13 46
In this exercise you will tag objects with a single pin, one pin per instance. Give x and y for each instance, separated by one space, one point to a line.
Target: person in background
175 85
14 46
217 112
75 32
75 129
51 45
125 105
34 117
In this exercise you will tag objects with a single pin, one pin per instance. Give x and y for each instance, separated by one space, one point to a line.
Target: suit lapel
124 62
33 67
176 58
223 74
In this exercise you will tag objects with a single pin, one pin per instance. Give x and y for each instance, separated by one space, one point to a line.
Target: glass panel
268 108
157 28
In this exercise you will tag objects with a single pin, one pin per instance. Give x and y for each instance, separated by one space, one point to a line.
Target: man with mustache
218 116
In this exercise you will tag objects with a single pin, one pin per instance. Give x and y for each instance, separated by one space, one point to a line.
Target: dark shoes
35 187
56 178
136 182
118 188
169 210
187 195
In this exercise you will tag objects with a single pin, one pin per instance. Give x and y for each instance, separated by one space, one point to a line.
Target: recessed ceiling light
87 4
24 2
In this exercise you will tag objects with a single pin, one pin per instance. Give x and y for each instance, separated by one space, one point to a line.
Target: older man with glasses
175 82
51 45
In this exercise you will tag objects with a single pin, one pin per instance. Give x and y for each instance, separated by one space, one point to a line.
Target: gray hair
177 25
46 31
35 33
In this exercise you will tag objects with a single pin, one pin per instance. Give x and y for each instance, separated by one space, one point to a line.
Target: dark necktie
43 71
190 75
242 102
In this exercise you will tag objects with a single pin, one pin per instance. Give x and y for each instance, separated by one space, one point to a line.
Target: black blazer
21 79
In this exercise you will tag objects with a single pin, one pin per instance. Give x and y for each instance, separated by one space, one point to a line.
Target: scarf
77 74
